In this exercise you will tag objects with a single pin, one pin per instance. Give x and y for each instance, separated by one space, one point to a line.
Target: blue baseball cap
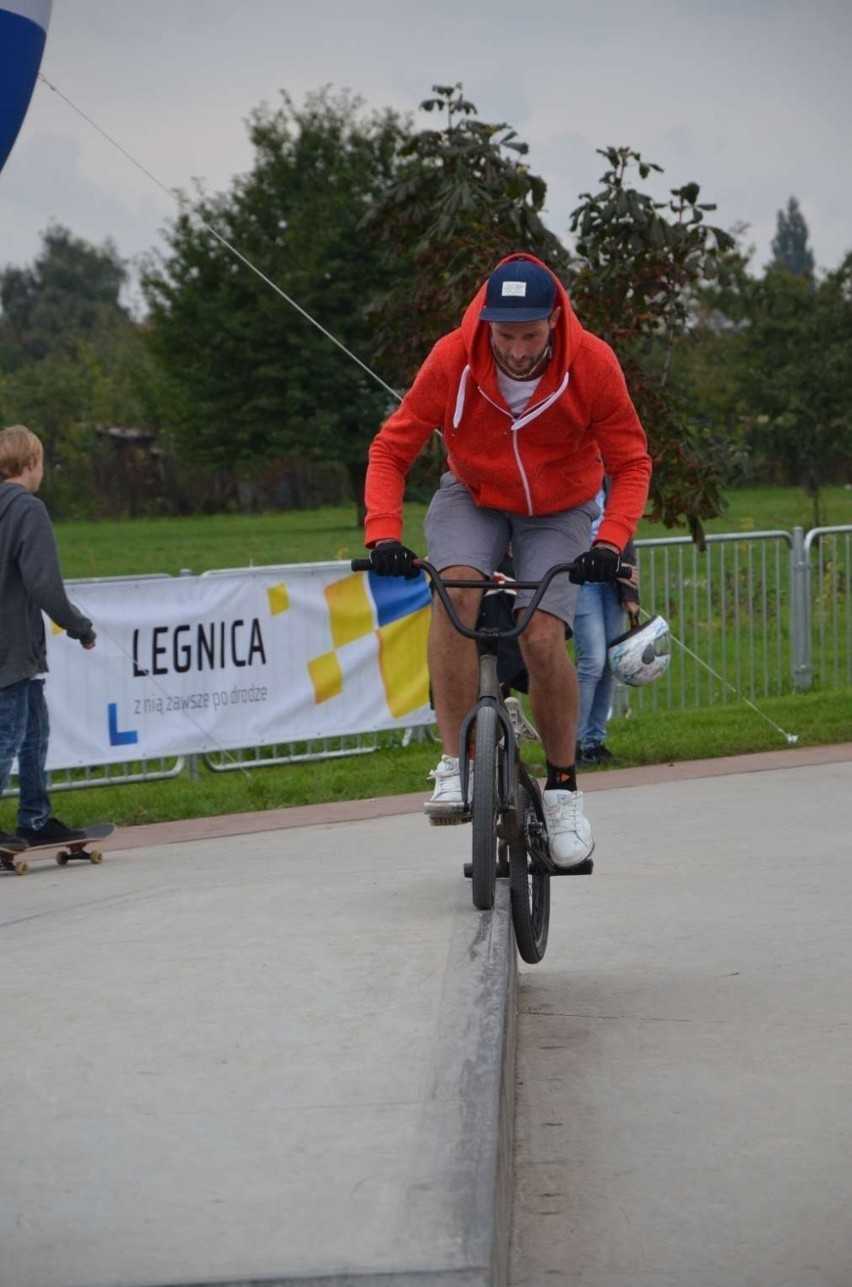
519 291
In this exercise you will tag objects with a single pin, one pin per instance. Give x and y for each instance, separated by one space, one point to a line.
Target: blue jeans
24 731
598 620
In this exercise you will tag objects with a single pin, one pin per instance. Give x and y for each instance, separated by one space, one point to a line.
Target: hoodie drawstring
457 414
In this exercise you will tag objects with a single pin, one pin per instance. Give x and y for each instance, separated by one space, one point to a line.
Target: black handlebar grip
361 565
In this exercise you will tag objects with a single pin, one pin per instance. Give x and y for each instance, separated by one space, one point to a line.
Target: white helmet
641 654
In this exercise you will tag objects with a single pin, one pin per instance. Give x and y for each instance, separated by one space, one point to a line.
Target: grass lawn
135 546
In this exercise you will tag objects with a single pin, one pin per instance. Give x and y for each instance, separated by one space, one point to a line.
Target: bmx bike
505 805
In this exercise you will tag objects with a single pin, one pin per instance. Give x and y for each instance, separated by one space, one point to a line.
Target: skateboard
10 853
65 850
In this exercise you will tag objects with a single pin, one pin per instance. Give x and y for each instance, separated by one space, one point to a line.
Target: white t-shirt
516 393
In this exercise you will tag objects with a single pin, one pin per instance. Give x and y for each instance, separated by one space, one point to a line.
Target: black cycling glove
597 564
391 558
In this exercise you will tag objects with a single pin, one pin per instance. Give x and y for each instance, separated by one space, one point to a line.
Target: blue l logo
118 737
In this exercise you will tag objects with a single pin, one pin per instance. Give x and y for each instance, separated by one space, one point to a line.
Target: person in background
598 620
30 583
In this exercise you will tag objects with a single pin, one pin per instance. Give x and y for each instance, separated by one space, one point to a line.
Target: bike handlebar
441 585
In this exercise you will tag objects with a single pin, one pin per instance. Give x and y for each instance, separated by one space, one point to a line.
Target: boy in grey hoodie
30 583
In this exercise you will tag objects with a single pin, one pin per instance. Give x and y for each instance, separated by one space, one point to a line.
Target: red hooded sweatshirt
579 425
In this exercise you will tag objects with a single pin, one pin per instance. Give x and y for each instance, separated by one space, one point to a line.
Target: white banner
237 659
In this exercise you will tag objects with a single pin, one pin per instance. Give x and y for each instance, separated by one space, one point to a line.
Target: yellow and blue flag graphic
397 612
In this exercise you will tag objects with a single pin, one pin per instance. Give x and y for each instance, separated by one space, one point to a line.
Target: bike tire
484 811
529 883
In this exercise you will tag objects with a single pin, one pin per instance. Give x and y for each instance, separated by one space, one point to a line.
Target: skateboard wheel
21 867
95 856
62 857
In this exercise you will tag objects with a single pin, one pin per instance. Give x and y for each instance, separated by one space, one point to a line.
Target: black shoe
597 753
52 832
11 844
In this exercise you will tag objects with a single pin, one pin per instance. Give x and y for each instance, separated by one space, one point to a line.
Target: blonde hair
19 447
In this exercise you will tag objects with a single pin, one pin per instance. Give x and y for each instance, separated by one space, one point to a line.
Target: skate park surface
283 1048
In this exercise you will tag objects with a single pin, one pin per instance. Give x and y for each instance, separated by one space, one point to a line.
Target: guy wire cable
790 738
183 205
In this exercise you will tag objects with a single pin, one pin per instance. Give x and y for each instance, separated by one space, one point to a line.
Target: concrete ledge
468 1154
474 1073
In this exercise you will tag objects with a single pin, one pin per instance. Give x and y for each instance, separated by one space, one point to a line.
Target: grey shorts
460 533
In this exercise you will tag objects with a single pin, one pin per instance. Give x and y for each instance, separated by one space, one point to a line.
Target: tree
463 199
69 398
640 263
790 243
254 379
799 358
72 363
71 290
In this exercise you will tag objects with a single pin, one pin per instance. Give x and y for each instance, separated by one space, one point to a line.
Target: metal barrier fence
825 574
756 614
103 775
324 748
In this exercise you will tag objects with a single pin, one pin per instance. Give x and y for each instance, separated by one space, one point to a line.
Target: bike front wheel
529 883
485 807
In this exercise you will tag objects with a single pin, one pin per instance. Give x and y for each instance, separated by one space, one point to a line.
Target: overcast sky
750 98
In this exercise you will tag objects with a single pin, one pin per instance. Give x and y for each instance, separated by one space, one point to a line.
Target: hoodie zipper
532 413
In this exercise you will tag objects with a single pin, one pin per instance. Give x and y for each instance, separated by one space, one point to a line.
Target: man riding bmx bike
533 410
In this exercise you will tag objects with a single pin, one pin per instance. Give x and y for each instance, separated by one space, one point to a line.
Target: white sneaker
524 730
446 805
568 830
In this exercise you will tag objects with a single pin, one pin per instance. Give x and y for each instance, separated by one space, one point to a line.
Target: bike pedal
584 868
448 820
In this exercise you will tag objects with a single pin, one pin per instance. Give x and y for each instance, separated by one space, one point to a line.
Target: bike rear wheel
529 883
484 813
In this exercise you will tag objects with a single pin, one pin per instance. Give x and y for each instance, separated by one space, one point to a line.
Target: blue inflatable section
23 31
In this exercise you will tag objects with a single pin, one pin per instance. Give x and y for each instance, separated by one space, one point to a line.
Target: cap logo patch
514 288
